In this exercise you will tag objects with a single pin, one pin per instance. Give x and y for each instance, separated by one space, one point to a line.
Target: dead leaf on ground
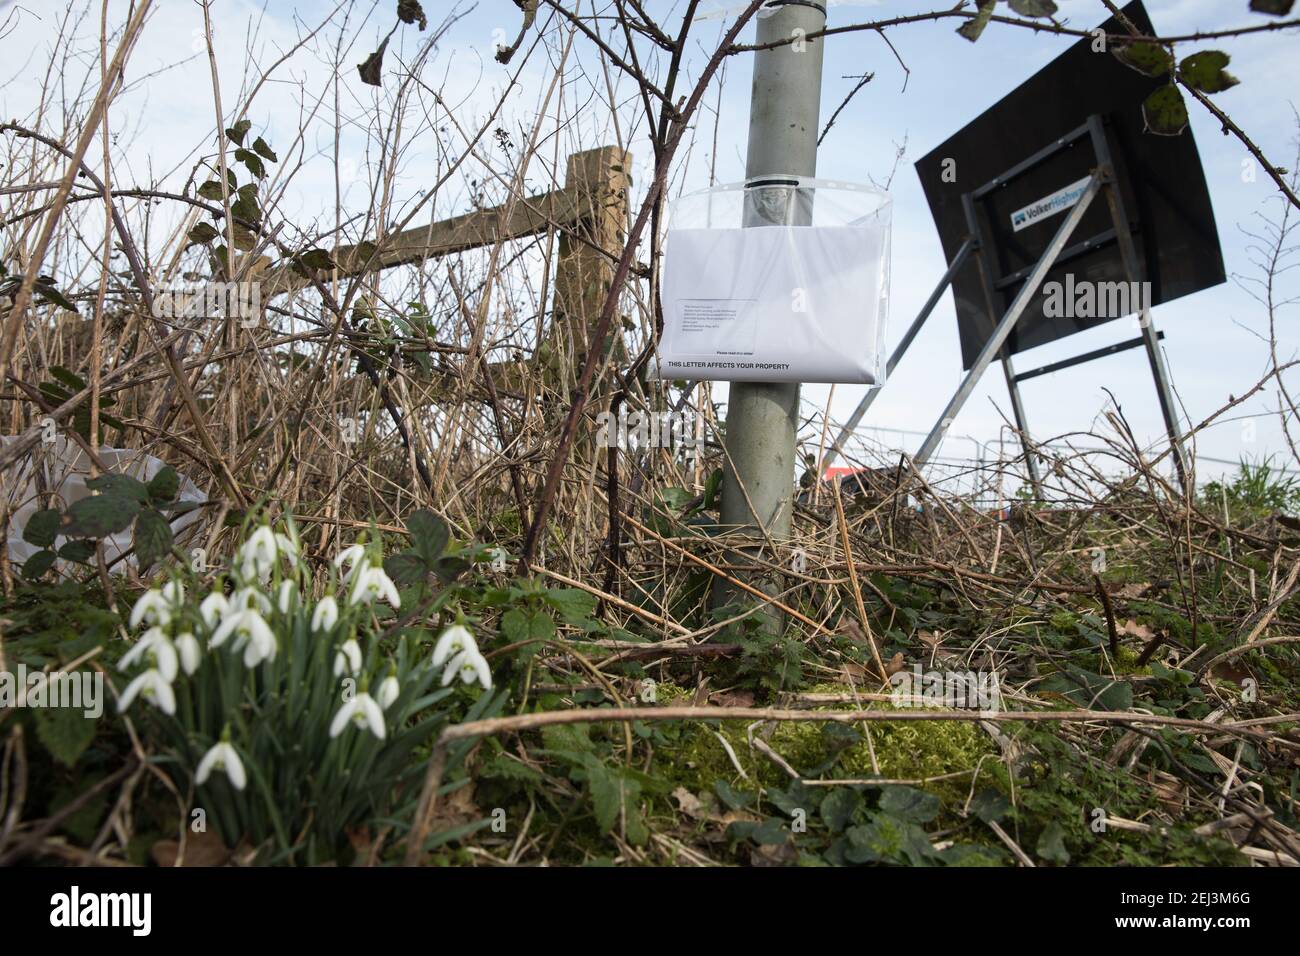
779 854
690 804
732 698
1140 631
201 849
1133 590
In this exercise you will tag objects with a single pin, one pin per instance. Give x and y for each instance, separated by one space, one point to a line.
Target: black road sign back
1160 178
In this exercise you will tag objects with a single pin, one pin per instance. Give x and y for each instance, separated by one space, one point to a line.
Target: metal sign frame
1102 181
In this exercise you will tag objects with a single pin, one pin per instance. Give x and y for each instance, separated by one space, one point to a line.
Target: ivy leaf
1051 844
838 808
164 485
42 528
1279 8
38 564
1034 8
372 70
1205 71
262 149
153 538
974 27
910 804
1149 59
990 805
409 11
239 131
101 515
1165 112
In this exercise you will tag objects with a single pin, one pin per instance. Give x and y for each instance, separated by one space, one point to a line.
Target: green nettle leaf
164 485
262 149
42 528
251 160
1051 844
1149 59
1205 71
66 732
409 11
908 803
973 27
121 486
372 70
1165 112
1034 8
575 606
78 551
1279 8
38 564
202 234
429 534
153 538
101 515
239 131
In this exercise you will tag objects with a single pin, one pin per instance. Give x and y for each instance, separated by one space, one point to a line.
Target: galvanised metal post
762 418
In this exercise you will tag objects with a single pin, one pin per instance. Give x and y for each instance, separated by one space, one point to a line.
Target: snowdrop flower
389 691
257 555
471 666
326 614
288 593
361 710
348 658
160 650
174 593
156 689
213 608
354 556
188 648
249 598
247 626
152 608
370 583
453 640
225 758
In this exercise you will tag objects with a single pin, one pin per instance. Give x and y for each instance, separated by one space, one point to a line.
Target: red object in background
841 471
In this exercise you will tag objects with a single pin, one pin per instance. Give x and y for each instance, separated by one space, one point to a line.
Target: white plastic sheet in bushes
785 279
61 468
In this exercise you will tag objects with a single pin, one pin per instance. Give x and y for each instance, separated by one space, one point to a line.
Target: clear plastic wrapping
782 279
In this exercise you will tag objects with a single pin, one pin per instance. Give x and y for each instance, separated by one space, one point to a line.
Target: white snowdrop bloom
471 666
152 608
354 556
225 758
370 583
326 614
174 593
451 642
158 647
155 688
213 608
348 658
250 598
247 626
286 596
257 555
287 546
389 691
188 649
361 710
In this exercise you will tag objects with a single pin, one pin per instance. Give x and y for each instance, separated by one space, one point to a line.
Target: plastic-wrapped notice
783 279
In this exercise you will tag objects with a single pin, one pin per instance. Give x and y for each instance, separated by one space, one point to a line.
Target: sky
1212 339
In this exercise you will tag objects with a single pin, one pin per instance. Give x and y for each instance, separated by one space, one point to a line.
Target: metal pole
762 418
851 425
994 345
